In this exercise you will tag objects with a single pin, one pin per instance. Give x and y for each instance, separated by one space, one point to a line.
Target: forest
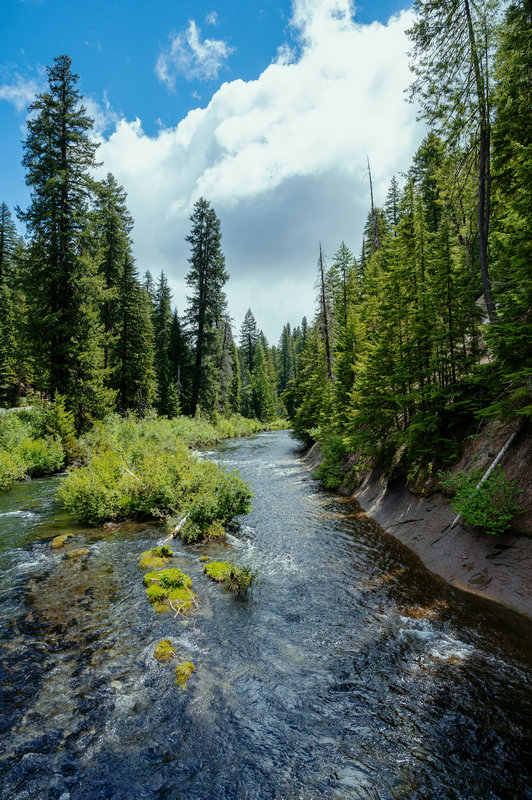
417 338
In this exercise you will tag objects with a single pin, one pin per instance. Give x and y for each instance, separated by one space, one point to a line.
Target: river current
350 673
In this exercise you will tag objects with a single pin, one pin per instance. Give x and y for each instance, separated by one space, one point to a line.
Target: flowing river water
351 672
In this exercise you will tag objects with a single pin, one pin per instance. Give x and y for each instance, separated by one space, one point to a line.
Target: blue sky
267 108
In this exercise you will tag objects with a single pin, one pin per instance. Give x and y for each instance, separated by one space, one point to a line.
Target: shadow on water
351 673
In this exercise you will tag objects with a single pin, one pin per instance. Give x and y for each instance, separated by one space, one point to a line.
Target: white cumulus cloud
191 56
281 158
21 92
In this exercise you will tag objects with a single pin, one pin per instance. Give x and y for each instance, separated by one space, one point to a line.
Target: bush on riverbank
489 506
143 469
31 444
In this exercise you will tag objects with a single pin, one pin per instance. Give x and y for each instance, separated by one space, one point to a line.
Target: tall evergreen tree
181 362
63 286
248 340
452 59
132 353
206 278
511 337
166 379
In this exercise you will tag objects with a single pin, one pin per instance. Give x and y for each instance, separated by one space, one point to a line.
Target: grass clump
239 580
158 557
164 651
169 590
168 578
183 672
59 541
489 506
218 571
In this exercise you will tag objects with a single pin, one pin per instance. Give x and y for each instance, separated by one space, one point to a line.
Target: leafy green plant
330 470
489 507
241 580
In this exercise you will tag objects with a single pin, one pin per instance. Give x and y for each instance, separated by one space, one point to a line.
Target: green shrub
42 456
11 469
330 471
489 507
144 469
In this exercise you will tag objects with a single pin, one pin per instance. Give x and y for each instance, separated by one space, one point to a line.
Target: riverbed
351 671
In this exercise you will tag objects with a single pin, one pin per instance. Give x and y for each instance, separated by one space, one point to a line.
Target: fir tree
166 380
62 283
206 278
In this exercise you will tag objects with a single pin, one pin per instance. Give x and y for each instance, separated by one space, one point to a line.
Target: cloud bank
281 158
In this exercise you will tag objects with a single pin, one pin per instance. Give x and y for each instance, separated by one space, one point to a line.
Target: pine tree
511 337
236 384
453 48
15 369
132 353
181 363
262 398
166 379
248 340
62 284
206 278
113 225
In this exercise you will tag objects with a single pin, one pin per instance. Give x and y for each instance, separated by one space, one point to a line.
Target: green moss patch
164 651
170 590
217 571
80 553
158 557
204 558
59 541
238 579
183 672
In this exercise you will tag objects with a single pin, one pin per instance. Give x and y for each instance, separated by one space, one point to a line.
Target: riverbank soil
498 568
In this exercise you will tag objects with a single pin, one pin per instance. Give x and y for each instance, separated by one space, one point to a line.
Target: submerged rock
80 553
170 590
183 672
219 571
158 557
59 541
164 651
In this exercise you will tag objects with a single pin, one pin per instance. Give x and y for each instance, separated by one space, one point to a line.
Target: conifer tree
15 368
166 379
452 58
248 340
181 362
132 353
511 337
207 303
63 287
113 225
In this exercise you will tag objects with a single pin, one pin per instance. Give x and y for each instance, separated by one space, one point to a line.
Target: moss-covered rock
183 672
59 541
164 651
158 557
170 590
79 553
168 578
237 579
217 571
204 558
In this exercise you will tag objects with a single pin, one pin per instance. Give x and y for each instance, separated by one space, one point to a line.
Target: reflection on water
350 673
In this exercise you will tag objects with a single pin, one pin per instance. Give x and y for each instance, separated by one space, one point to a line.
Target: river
351 672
